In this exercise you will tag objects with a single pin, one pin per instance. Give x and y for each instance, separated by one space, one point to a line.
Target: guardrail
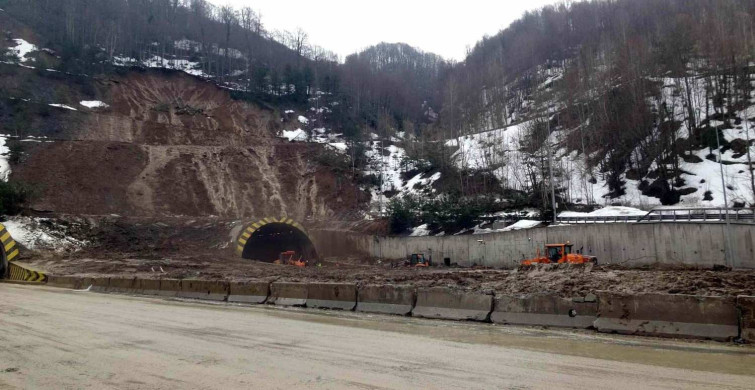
703 215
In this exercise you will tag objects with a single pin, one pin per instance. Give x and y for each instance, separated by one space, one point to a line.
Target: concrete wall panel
675 244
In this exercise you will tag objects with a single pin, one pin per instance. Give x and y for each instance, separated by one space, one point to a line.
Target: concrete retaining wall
249 292
448 304
546 310
632 245
747 311
386 299
337 296
668 315
288 294
204 289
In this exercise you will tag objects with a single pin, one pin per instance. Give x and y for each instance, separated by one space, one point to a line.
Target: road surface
54 338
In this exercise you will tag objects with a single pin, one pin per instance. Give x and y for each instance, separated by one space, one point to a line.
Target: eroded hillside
161 143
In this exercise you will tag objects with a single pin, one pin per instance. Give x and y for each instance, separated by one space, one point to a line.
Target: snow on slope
22 49
611 211
387 161
499 150
93 104
33 234
58 105
192 68
4 164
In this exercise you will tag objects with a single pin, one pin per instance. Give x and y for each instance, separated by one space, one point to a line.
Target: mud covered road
567 281
53 338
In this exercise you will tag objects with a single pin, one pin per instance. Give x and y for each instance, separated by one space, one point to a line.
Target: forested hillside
626 100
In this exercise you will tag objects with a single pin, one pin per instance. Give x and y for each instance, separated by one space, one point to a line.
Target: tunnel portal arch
266 239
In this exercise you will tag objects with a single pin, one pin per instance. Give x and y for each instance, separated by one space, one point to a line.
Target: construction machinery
289 258
560 254
418 260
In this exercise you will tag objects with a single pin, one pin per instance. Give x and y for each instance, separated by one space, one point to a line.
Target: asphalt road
51 338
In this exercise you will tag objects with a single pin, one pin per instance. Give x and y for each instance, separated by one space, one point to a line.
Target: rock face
172 144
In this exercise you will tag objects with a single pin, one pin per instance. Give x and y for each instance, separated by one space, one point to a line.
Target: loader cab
557 252
418 260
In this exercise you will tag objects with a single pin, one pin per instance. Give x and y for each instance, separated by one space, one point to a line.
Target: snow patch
523 224
62 106
612 211
303 120
22 49
93 104
294 135
4 164
33 234
420 231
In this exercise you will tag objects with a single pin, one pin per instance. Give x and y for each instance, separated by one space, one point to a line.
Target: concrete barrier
746 306
665 315
545 310
204 289
386 299
249 292
62 281
169 287
288 294
337 296
122 285
98 284
444 303
147 286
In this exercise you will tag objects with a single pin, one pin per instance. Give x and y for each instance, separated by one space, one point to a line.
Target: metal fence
719 214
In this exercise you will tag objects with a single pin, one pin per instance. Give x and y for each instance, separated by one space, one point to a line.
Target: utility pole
727 231
550 165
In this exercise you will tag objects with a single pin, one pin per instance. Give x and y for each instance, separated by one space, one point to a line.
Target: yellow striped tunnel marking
247 233
5 237
12 255
9 245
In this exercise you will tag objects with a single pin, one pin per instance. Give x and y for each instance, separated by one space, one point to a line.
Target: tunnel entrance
266 242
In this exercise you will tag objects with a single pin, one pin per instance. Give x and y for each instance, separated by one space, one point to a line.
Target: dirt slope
168 144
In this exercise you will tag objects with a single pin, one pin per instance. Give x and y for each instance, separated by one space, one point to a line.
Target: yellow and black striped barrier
10 248
15 270
253 227
21 273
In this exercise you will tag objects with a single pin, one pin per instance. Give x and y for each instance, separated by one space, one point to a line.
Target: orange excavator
289 258
560 254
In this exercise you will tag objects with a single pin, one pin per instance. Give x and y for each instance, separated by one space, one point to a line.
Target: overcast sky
345 26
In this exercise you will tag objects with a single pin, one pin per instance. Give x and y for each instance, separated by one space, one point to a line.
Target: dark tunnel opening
268 242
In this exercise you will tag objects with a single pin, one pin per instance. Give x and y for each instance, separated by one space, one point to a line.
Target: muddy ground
201 249
566 281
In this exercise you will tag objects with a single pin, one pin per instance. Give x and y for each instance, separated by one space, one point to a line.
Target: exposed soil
168 144
201 248
566 281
